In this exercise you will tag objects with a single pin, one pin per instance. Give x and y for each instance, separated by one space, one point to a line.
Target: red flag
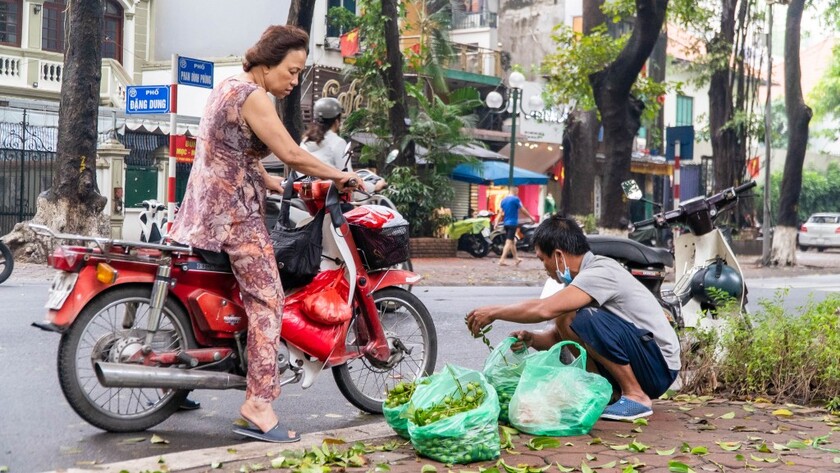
349 43
753 166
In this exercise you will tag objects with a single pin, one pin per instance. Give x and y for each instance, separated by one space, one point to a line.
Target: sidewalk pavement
464 270
684 434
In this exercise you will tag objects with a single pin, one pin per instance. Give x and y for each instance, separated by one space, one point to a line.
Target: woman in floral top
223 207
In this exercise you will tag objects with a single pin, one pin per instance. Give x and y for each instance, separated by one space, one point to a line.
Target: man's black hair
560 233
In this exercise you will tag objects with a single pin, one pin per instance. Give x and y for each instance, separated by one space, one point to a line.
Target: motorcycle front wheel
111 328
413 342
7 262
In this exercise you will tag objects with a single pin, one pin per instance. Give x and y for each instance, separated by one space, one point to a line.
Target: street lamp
495 101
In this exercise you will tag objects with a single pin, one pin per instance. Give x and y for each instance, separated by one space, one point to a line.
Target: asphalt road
40 431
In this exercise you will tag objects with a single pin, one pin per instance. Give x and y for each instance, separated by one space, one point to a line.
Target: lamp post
494 100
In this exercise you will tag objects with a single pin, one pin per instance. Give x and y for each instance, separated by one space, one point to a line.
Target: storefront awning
495 172
535 156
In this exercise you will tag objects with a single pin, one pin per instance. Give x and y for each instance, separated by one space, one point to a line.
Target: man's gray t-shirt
614 289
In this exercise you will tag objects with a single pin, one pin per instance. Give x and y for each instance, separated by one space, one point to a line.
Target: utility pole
766 240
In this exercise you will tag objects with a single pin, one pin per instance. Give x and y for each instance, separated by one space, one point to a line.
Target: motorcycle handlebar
745 186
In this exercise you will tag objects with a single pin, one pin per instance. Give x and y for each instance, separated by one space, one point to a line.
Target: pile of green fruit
461 400
400 394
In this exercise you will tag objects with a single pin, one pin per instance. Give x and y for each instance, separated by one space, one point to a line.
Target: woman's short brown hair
273 46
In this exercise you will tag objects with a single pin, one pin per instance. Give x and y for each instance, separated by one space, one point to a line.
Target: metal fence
24 174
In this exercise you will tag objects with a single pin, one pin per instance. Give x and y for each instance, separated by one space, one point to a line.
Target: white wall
674 73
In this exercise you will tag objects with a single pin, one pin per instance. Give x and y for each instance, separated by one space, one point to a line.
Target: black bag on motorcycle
297 249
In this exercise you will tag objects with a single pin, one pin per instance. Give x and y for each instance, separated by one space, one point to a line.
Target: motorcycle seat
627 249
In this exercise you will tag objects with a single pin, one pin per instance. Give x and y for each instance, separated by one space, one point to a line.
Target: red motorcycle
141 324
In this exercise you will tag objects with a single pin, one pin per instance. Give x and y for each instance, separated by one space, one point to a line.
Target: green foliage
788 356
825 97
417 198
820 192
579 56
342 18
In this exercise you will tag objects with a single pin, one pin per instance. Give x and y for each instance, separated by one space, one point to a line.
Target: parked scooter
705 265
141 324
473 234
153 221
7 262
524 238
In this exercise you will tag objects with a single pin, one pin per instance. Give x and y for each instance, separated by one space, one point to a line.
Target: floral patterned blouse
225 193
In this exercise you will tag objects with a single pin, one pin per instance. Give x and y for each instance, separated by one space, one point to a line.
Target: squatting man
604 309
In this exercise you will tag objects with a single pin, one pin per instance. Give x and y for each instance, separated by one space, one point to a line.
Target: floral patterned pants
252 260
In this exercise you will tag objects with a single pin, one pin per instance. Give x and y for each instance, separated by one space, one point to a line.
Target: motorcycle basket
381 235
381 247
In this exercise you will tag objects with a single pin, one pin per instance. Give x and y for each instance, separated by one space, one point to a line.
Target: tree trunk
393 77
73 203
721 109
579 146
799 116
300 15
580 141
621 112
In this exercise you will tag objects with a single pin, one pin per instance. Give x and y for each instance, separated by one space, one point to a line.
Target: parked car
820 231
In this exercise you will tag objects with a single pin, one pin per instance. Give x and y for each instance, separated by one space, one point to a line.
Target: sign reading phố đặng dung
147 99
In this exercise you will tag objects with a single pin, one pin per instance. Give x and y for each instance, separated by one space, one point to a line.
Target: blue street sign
683 134
195 72
147 99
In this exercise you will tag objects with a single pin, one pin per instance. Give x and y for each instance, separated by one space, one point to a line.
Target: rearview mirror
392 156
631 190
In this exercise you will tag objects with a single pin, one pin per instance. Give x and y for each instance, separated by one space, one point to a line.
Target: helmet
327 108
720 276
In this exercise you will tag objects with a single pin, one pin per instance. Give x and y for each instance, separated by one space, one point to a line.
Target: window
350 5
112 41
685 110
52 29
10 19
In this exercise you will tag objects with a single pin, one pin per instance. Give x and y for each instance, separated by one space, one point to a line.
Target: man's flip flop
277 434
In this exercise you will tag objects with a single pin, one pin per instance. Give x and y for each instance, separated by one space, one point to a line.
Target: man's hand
478 319
524 339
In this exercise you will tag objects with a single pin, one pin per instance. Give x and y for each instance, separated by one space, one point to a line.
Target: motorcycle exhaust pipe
120 375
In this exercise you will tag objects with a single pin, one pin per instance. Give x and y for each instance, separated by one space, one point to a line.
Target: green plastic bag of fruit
503 368
555 399
455 418
396 403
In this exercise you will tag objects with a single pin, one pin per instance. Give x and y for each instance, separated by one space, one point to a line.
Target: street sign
683 134
147 99
195 72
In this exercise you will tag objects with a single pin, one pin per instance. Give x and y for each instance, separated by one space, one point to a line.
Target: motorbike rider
322 140
223 208
510 207
603 308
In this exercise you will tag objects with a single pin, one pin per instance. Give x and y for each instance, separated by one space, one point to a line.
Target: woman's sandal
276 434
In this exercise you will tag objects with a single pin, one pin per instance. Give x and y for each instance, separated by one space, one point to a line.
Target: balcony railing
470 20
469 58
29 69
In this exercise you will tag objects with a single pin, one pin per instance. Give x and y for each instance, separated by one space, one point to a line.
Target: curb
200 460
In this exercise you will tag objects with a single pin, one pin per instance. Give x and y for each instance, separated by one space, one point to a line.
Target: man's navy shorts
510 232
623 343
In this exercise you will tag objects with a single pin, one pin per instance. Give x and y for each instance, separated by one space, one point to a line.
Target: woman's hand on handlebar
348 181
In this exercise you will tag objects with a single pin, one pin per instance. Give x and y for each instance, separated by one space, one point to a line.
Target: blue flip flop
626 409
277 434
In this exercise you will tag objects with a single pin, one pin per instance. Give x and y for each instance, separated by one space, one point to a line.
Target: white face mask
565 277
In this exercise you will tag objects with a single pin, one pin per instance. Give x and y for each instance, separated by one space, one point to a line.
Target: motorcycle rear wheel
498 244
7 262
477 245
106 330
405 319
